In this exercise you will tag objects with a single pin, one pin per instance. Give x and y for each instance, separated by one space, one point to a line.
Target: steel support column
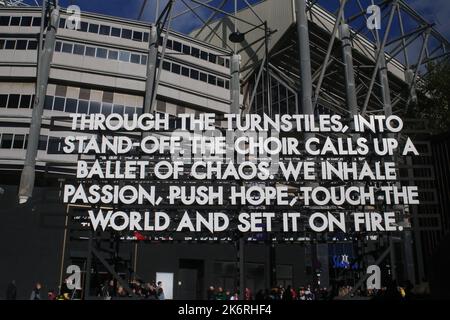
151 69
350 85
43 65
235 84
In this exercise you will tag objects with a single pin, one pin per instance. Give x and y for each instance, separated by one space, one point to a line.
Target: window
62 23
78 49
26 21
220 82
84 26
118 109
130 110
113 54
211 79
186 49
58 46
32 45
212 58
203 77
137 36
19 139
42 143
36 21
166 65
15 21
124 56
227 84
195 52
48 103
67 47
4 20
25 101
53 145
83 106
13 102
204 55
185 71
101 53
6 141
194 74
175 68
93 28
227 63
94 107
115 32
126 33
71 105
221 61
106 108
2 44
177 46
90 51
21 45
59 104
145 37
105 30
3 100
135 58
144 59
169 44
10 44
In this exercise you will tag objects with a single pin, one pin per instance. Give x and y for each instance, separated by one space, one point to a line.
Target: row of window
15 101
101 53
52 145
195 74
18 44
125 33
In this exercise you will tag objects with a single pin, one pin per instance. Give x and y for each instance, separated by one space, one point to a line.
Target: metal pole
151 69
28 174
350 86
305 56
235 84
241 268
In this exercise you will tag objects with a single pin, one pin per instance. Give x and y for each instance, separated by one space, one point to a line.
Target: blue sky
436 11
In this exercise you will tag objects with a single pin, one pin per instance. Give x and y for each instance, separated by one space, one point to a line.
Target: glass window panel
204 55
177 46
186 49
106 108
21 45
7 141
62 23
48 103
203 77
124 56
36 22
194 74
176 68
2 44
13 101
67 47
212 58
126 33
211 79
18 141
3 100
78 49
118 109
42 143
25 101
83 106
84 26
195 52
135 58
105 30
113 54
15 21
71 105
220 82
115 32
101 53
185 71
32 45
130 110
10 44
169 44
137 36
145 37
93 28
144 59
58 46
4 20
94 107
221 61
26 21
90 51
59 104
166 65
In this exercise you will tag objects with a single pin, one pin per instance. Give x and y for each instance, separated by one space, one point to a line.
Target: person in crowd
235 296
36 293
160 291
287 294
51 295
11 291
210 293
228 295
220 295
248 294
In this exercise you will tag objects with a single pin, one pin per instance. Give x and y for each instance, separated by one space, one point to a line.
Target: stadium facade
101 68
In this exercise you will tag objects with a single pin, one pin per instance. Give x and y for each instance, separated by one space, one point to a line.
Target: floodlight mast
44 60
